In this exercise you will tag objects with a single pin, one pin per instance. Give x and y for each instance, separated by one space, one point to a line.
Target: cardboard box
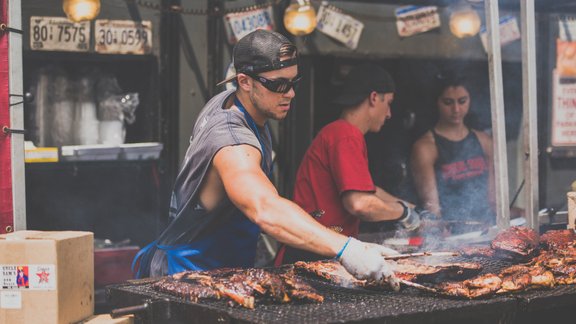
46 277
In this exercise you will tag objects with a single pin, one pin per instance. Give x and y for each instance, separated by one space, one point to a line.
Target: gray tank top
215 128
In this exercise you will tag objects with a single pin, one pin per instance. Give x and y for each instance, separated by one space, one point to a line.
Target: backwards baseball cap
259 52
361 81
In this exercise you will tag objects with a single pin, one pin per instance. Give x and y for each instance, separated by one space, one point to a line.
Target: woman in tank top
452 164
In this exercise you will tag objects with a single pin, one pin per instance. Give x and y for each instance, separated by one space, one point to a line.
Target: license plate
123 36
339 26
59 34
241 24
413 20
509 31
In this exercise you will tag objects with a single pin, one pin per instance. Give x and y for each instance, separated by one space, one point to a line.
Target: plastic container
98 152
141 151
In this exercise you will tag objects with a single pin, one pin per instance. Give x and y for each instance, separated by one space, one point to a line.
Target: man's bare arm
250 190
369 207
382 194
424 155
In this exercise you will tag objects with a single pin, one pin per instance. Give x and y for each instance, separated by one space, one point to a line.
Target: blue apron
231 241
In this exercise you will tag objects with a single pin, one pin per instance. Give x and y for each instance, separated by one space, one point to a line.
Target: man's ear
373 97
244 81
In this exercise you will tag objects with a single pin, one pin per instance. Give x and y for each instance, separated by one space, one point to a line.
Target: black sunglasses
280 85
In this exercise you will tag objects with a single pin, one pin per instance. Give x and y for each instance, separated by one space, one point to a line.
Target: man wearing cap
223 197
333 181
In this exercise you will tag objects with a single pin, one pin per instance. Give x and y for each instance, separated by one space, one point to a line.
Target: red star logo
43 276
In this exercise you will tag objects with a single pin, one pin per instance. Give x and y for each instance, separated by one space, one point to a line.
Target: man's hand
365 261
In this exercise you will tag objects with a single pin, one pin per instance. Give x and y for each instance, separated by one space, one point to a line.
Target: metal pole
215 48
170 26
17 114
530 122
497 109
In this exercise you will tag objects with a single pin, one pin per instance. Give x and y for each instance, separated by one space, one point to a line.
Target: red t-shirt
335 162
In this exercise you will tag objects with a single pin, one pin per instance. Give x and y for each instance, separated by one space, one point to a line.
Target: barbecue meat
481 286
557 239
419 272
330 270
561 262
518 243
241 286
299 290
521 277
477 251
542 278
186 290
405 269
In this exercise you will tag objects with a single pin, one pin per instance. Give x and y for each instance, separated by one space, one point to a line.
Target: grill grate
348 304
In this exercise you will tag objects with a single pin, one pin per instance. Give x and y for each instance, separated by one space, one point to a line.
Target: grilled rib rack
356 305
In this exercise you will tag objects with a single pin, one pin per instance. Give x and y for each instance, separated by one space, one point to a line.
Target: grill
353 305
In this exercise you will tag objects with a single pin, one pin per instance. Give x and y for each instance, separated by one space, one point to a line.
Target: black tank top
462 179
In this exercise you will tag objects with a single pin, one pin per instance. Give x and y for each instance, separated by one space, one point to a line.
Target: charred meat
186 290
477 251
330 270
522 277
405 269
419 272
557 239
562 264
517 243
481 286
299 290
240 286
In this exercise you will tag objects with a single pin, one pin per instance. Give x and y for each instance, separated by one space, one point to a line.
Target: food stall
345 304
325 54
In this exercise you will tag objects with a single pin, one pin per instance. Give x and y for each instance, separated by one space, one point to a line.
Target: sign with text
123 36
564 111
28 276
339 26
240 24
411 20
59 34
509 32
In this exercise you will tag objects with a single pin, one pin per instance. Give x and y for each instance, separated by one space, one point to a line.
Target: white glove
365 261
388 251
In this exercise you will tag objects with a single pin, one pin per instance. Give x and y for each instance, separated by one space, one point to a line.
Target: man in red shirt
333 182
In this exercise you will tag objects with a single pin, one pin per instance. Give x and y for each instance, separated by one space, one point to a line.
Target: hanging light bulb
79 10
300 18
464 22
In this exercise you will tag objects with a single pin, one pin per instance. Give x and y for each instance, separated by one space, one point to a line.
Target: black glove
410 219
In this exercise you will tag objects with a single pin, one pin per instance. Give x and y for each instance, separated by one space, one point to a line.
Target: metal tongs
419 254
417 286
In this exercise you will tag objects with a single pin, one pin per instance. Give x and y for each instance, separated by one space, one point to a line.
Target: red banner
6 206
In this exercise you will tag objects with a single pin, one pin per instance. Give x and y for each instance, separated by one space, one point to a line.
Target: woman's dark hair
449 79
444 81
